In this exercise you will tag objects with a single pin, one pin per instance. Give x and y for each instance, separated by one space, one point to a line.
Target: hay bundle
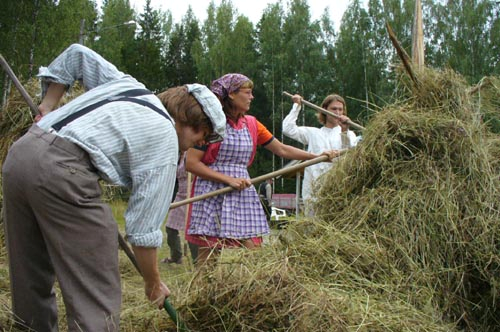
425 183
316 279
407 239
16 118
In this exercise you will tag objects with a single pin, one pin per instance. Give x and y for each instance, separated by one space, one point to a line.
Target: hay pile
408 236
16 117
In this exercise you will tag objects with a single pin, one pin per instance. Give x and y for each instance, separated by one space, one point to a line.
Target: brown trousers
58 227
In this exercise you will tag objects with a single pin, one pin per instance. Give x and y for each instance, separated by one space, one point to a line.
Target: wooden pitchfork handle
19 86
166 305
258 179
327 112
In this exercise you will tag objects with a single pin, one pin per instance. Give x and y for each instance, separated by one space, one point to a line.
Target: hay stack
425 182
408 237
16 118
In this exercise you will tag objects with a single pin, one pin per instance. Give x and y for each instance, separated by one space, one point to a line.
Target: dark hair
326 102
185 109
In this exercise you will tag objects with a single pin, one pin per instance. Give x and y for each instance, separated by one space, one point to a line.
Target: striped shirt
129 144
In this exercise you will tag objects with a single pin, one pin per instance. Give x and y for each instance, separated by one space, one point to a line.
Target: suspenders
124 96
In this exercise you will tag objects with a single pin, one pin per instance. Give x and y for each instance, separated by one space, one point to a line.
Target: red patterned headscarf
228 84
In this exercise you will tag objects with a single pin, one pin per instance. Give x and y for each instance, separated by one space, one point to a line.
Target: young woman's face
242 99
335 107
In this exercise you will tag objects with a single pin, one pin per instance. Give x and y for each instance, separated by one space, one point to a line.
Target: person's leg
250 244
82 239
174 243
80 234
206 256
31 272
193 249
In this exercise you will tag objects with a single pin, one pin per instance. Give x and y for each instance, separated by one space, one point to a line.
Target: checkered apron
235 215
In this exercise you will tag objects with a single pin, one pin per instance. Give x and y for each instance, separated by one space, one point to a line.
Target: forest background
284 51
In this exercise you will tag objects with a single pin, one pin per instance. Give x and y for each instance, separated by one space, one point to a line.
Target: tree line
286 50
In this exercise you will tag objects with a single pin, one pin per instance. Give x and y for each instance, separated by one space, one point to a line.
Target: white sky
252 9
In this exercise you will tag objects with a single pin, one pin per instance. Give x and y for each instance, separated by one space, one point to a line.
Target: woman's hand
331 154
238 183
297 99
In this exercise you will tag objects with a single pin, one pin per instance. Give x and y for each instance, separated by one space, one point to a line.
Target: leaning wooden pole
258 179
402 54
19 86
417 50
327 112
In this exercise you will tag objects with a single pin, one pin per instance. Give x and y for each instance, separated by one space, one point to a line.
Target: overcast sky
252 9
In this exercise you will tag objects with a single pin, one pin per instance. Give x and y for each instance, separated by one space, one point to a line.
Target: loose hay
318 279
425 183
407 236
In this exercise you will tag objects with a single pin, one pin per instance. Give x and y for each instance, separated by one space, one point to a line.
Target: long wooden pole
19 86
327 112
258 179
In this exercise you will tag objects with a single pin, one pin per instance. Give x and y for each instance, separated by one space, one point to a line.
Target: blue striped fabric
129 144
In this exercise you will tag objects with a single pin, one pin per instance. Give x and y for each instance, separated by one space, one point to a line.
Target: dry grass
406 235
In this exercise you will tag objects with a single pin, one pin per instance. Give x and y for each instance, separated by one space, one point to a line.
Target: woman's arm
198 168
288 151
293 153
290 127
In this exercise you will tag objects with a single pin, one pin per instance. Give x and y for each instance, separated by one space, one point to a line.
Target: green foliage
285 51
180 66
111 35
144 53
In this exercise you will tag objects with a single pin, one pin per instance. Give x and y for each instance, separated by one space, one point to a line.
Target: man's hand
157 293
156 290
344 122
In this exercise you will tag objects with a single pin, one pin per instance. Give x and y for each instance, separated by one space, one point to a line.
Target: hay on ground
406 236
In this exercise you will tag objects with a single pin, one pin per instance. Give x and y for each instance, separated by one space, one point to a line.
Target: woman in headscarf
235 219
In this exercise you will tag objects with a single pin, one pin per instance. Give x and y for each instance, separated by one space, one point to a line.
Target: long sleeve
290 127
129 144
79 63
